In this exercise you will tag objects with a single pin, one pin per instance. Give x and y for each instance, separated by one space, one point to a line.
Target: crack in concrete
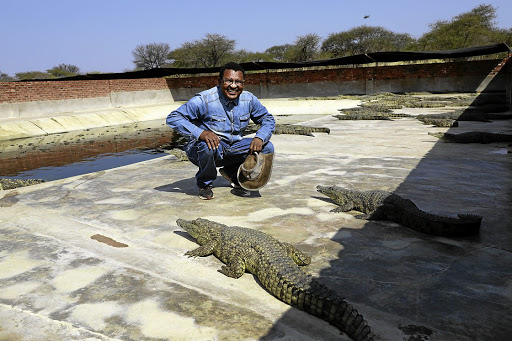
447 267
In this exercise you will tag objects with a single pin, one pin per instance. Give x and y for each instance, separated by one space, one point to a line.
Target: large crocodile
275 264
384 205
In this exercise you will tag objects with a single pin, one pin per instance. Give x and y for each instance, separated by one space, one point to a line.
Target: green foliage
364 39
278 52
473 28
504 35
5 77
34 75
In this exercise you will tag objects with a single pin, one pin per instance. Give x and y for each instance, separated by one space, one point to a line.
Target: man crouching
214 121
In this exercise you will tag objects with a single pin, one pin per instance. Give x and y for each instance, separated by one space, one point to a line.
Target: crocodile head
330 191
195 230
338 194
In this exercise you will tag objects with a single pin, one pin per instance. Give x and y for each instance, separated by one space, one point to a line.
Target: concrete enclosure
99 256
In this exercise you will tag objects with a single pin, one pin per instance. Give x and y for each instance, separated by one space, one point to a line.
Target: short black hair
230 66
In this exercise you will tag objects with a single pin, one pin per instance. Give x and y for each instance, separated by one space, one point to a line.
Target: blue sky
99 35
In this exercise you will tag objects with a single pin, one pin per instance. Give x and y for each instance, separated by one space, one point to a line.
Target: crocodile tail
326 304
421 221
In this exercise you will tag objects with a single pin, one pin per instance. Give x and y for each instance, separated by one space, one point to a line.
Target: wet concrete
21 157
57 283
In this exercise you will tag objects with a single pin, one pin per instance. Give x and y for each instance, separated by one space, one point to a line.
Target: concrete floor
58 283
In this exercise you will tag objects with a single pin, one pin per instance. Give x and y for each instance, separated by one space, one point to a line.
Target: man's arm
261 116
181 119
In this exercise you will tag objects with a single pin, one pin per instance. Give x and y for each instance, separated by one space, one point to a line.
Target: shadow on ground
413 286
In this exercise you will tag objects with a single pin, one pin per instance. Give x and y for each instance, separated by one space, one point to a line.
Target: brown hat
255 172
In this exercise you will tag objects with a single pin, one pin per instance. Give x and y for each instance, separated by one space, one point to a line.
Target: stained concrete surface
58 283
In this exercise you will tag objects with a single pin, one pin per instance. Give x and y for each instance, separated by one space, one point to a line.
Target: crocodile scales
276 264
384 205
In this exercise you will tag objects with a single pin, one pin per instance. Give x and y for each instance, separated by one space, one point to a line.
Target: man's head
231 80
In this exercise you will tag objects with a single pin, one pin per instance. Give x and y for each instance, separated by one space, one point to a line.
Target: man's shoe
206 193
233 181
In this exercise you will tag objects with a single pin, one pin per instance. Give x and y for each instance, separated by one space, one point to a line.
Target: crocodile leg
202 251
349 206
235 266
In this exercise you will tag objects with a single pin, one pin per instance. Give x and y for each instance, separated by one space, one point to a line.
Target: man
214 121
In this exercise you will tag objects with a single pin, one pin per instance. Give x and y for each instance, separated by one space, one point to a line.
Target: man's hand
256 145
211 139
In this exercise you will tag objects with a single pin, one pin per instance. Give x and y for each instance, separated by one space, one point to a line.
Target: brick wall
18 92
414 71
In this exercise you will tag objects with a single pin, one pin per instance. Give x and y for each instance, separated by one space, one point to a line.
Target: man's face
232 84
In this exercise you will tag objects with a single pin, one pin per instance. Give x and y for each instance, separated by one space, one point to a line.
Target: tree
216 47
365 39
278 52
305 48
5 77
151 56
504 35
213 50
472 28
64 70
33 75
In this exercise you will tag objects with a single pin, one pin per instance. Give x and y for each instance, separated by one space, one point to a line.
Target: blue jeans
228 156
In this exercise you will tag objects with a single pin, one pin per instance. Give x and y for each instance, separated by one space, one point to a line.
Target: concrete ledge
15 128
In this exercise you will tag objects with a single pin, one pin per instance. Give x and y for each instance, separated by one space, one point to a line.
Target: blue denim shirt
211 110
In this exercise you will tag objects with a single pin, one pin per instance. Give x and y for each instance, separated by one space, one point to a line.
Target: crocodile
366 110
276 265
362 116
16 183
180 154
294 129
473 137
384 205
299 129
468 114
369 113
439 122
